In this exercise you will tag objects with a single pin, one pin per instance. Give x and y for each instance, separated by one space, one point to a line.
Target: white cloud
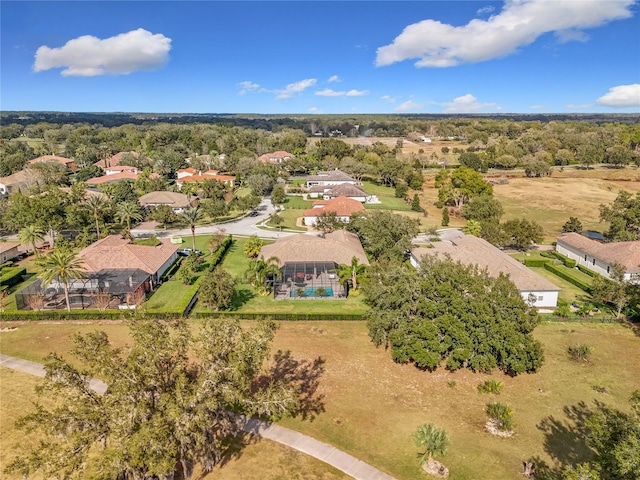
468 104
485 10
122 54
519 23
408 105
248 86
334 78
578 106
389 99
294 88
314 110
327 92
621 96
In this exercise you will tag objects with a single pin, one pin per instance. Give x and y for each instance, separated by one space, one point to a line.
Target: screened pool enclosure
300 280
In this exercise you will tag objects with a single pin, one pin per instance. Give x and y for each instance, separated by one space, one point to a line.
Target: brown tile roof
51 158
204 176
343 206
339 247
189 170
115 159
331 175
6 246
470 250
279 155
116 252
116 177
346 190
173 199
626 254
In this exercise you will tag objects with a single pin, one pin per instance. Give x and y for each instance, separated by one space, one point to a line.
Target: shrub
535 262
452 384
579 352
585 270
502 414
568 262
490 386
11 276
562 311
559 272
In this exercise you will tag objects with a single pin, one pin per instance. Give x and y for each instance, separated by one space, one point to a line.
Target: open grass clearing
298 203
387 197
259 460
569 293
372 405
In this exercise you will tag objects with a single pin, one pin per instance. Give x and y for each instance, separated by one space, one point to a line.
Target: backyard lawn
386 195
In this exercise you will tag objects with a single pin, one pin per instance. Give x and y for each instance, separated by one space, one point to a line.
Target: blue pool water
311 292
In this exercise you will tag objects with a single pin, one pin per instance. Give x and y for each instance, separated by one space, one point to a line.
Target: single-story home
118 173
470 250
19 181
343 207
329 178
66 162
177 201
191 175
275 157
8 250
116 159
308 263
601 257
344 190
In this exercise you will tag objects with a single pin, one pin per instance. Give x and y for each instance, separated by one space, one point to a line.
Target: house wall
309 221
590 262
332 183
9 254
548 299
165 266
359 199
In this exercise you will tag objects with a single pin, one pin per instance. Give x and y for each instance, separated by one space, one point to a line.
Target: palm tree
127 211
351 272
192 215
252 247
31 234
433 439
95 203
61 265
260 269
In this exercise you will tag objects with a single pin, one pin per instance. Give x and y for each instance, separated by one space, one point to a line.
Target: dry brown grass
372 405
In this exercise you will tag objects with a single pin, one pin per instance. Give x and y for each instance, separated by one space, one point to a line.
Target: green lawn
569 293
387 197
297 202
290 217
248 301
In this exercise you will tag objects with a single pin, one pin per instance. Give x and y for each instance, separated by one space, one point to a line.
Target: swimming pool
311 292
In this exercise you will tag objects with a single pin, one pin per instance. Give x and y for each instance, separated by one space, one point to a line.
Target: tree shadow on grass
565 441
304 375
240 297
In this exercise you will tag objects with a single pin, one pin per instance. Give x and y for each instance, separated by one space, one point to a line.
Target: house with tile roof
118 173
308 264
328 179
601 257
177 201
19 181
343 190
66 162
470 250
275 157
343 207
191 175
118 158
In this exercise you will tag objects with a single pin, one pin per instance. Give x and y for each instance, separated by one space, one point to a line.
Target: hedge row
219 254
535 262
564 275
580 319
279 316
584 269
11 276
568 262
88 314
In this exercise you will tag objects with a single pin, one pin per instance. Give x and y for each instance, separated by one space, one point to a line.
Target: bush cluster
562 274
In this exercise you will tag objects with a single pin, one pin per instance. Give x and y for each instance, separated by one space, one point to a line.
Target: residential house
8 251
601 257
327 179
191 175
19 181
343 207
177 201
470 250
308 264
118 158
276 157
118 173
344 190
66 162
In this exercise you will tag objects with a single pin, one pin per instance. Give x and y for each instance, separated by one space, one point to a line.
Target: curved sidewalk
303 443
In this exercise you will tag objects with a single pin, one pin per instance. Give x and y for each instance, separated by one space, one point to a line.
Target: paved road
303 443
244 226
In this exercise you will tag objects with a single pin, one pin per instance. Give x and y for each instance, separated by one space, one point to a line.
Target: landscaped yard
386 195
247 300
372 405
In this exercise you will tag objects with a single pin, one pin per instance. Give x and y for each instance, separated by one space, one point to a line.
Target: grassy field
387 197
372 405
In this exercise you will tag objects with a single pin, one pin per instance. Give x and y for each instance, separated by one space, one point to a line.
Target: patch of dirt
8 329
436 469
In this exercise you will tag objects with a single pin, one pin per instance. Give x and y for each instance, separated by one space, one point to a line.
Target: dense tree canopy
384 234
623 216
462 185
448 314
172 402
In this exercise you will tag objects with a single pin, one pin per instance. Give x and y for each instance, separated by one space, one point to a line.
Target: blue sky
520 56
